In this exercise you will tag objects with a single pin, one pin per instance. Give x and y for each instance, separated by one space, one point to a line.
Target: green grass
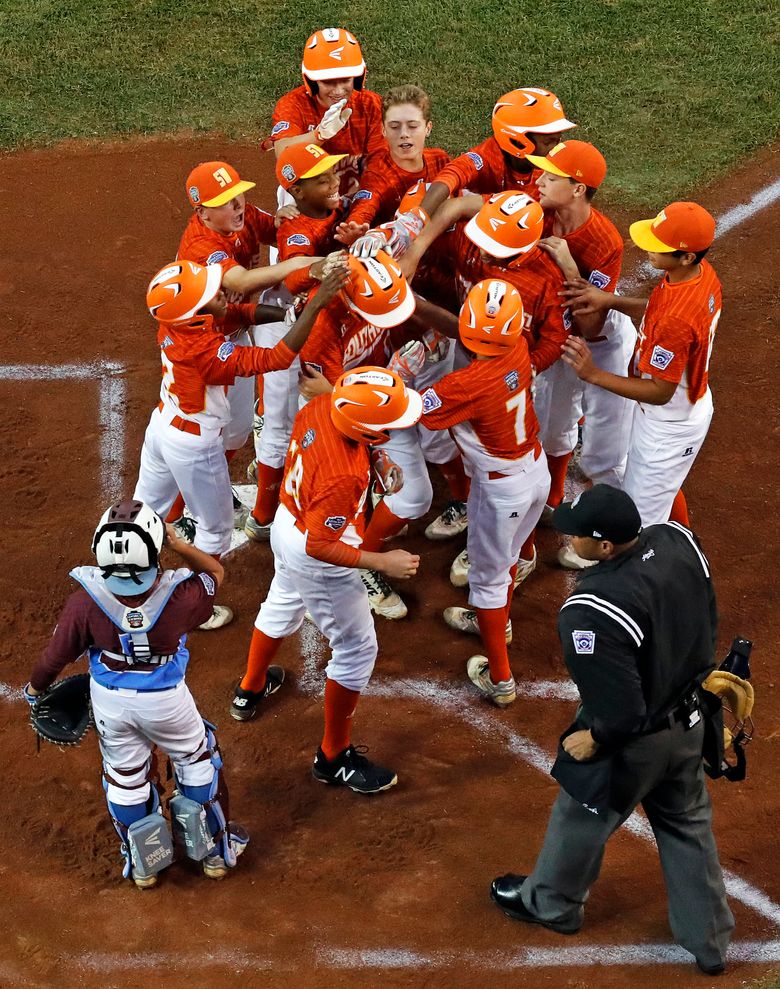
673 92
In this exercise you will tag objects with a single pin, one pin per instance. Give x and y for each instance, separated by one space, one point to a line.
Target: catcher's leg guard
201 781
131 798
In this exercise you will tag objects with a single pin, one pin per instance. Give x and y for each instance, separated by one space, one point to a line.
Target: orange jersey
204 246
596 246
384 184
488 408
298 113
306 236
326 478
199 363
341 340
484 169
676 337
537 278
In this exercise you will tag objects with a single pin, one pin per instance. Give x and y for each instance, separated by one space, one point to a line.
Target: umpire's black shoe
350 768
243 707
505 891
718 969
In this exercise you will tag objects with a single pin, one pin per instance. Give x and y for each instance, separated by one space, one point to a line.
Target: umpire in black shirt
638 636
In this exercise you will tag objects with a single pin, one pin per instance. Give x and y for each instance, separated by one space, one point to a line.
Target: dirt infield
335 889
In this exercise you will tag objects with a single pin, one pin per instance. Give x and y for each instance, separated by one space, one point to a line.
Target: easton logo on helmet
194 194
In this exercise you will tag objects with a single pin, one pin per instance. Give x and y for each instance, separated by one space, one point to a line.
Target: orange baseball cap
214 183
303 161
678 227
576 160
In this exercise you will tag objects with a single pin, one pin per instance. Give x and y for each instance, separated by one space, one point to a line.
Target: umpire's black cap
601 512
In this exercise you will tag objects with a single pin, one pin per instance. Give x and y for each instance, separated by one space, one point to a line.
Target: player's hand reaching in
333 120
336 260
312 383
349 231
408 361
388 473
398 564
287 212
584 298
558 249
369 244
576 353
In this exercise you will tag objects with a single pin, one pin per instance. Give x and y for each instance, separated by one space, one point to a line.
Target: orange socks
492 629
527 549
267 501
679 512
262 650
383 525
455 476
558 467
176 509
340 704
511 589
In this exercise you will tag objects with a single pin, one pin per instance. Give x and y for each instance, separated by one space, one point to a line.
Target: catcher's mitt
63 714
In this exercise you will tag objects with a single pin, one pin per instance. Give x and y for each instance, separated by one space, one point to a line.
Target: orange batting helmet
180 289
378 291
491 318
509 223
332 53
527 110
368 402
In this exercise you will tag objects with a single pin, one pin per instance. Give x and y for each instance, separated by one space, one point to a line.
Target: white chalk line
111 416
362 959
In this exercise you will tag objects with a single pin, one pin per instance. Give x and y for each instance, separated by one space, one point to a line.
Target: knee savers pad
134 806
200 782
150 845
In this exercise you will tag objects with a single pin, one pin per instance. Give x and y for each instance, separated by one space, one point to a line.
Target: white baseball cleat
214 866
251 471
459 571
452 521
256 530
524 569
186 528
465 620
220 615
570 560
240 511
502 694
383 599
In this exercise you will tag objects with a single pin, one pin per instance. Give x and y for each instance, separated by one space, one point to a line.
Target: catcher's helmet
180 289
509 223
332 53
368 402
127 544
378 291
491 318
524 111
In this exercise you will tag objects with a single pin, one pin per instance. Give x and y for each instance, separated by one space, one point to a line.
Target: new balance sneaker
214 866
243 707
240 511
465 620
351 768
220 615
502 694
452 521
256 530
524 569
570 560
186 528
383 599
459 571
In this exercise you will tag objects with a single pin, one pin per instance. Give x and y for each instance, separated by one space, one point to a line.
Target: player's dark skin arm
585 299
651 391
268 314
301 328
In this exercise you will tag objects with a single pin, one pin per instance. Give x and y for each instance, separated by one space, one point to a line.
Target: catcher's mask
127 544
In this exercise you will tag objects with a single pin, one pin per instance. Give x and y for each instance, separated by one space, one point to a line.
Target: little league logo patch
194 194
289 173
134 619
335 522
167 342
225 350
512 380
584 642
599 279
208 583
430 401
308 438
362 194
711 304
278 128
298 240
477 159
216 257
661 358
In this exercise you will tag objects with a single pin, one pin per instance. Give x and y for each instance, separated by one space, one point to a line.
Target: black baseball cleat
505 891
244 705
717 969
352 769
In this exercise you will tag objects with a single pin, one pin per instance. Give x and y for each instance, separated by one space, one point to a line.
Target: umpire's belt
683 711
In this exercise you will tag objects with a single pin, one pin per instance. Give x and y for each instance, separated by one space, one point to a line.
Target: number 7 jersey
488 408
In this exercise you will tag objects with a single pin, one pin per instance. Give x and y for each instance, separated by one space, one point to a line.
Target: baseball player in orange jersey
583 242
525 121
488 408
331 107
670 381
392 171
316 540
182 448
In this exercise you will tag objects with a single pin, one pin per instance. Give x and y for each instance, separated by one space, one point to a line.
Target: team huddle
419 310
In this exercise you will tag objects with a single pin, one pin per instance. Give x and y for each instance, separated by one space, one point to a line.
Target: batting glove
436 345
333 120
408 361
403 230
369 245
388 473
